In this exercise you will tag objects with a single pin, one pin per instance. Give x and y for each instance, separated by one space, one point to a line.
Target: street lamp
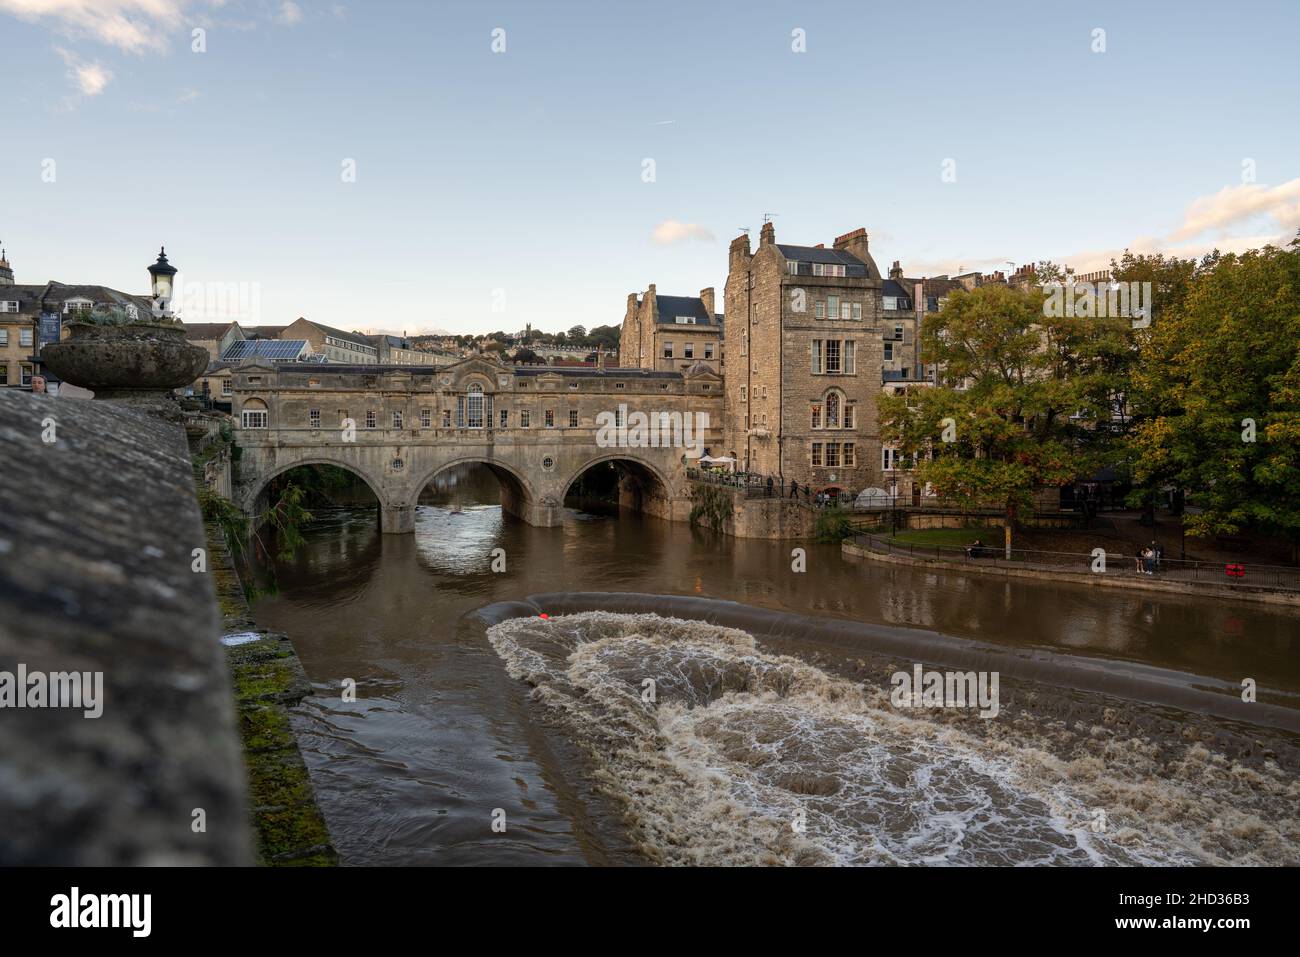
161 274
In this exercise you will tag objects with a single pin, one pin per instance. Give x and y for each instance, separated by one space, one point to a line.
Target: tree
1219 385
578 333
525 355
1017 401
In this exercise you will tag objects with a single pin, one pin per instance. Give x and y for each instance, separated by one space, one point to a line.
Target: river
483 733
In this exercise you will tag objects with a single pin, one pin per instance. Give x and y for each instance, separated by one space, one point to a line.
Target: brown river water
767 735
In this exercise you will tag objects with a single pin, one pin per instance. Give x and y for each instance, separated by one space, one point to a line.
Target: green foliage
1225 351
232 522
286 517
833 524
710 506
1018 400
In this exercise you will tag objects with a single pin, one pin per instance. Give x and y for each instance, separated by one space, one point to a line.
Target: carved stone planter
135 364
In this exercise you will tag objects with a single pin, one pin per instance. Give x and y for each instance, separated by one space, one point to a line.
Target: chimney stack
895 271
707 296
767 235
854 243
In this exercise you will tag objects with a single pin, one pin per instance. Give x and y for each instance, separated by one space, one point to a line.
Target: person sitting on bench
975 549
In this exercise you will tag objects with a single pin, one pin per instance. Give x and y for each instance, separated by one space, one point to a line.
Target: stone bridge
538 428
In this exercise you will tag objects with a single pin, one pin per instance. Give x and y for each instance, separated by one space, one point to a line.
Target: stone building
33 315
671 333
804 337
336 345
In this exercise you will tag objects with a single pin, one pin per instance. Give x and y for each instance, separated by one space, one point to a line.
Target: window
817 415
688 350
668 350
744 393
573 418
225 387
818 365
573 385
685 320
24 337
398 465
9 305
618 417
833 410
446 418
313 418
525 419
744 342
620 385
889 459
828 269
254 418
820 310
4 337
832 455
857 310
474 407
849 460
816 453
708 350
832 356
397 419
889 352
792 267
426 418
845 309
832 306
80 306
4 373
848 415
765 392
372 418
505 418
549 418
25 373
850 354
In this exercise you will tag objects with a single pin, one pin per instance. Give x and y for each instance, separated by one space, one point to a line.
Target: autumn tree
1017 400
1218 386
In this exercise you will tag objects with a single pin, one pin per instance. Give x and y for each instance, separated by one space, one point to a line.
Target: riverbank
879 549
269 681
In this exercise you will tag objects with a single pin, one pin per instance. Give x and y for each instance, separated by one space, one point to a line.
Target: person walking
794 488
769 486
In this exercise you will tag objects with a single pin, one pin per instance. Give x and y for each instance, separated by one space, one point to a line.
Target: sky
404 166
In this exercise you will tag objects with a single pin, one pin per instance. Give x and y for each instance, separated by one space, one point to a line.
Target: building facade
671 333
804 337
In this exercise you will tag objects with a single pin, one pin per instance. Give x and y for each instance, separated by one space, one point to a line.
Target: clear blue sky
522 171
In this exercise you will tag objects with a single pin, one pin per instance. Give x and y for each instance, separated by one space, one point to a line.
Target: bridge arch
643 485
258 487
517 493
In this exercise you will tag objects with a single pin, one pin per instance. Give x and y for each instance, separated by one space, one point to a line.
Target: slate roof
206 330
53 294
668 308
815 254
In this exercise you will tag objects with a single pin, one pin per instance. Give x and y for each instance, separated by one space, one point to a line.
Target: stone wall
98 527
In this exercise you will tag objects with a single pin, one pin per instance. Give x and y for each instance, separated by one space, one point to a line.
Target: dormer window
685 320
77 307
9 305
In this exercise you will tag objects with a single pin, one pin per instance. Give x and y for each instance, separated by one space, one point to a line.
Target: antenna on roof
745 230
768 217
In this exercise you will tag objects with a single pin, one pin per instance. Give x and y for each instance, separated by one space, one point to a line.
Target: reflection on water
441 735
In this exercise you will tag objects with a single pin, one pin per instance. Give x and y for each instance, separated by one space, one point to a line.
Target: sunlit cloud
290 13
90 79
671 231
131 25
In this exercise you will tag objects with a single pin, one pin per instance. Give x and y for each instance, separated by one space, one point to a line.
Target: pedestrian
1158 554
769 486
1148 561
794 488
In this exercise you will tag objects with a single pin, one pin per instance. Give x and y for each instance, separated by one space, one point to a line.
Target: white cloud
130 25
671 231
90 79
1207 225
290 13
1234 205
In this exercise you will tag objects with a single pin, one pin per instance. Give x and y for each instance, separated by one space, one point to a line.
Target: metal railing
755 485
1116 564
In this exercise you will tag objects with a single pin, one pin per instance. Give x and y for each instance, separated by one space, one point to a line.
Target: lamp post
161 273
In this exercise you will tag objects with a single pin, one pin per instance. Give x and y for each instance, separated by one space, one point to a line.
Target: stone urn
136 364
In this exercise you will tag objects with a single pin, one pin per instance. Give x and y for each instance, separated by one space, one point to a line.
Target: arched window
254 414
832 410
474 411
